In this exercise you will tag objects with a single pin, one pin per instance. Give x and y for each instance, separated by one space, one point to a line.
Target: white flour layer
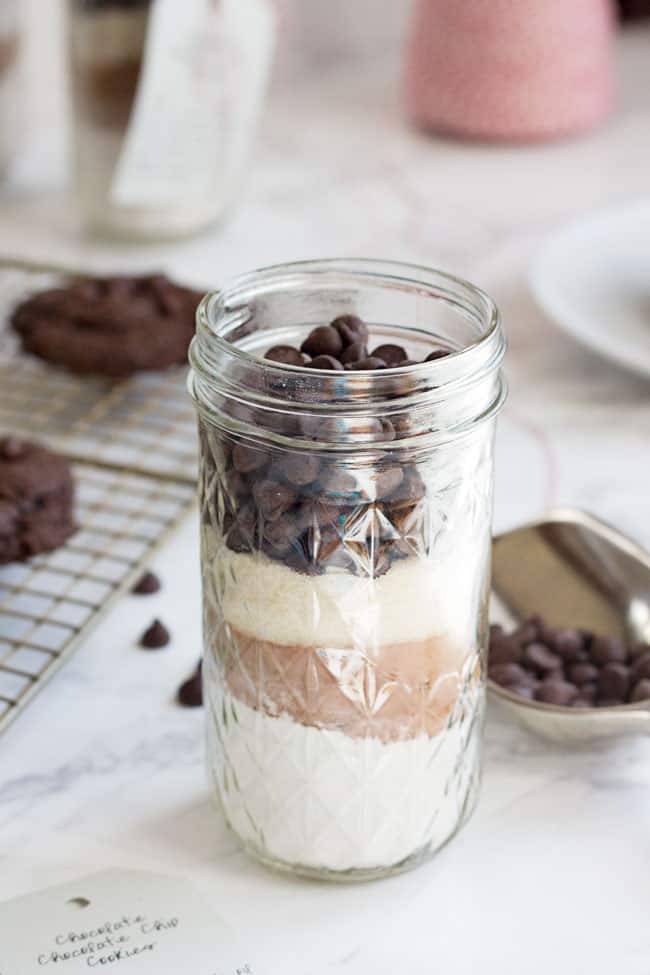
416 599
321 799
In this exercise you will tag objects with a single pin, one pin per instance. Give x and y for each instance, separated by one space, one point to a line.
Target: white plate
592 277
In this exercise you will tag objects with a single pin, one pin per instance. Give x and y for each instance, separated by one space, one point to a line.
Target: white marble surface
552 872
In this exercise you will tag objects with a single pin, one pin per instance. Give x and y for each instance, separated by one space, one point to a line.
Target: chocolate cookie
36 499
110 326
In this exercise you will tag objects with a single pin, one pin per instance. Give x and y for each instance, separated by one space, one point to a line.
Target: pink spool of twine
522 70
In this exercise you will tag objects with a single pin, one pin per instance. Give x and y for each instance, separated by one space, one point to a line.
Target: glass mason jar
346 530
9 55
165 103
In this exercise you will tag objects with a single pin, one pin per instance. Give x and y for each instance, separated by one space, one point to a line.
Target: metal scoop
574 571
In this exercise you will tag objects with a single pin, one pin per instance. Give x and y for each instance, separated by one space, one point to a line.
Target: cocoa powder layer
400 691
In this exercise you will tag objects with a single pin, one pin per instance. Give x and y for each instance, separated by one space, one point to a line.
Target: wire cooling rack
133 447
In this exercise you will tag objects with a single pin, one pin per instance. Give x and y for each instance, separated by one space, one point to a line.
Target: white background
552 872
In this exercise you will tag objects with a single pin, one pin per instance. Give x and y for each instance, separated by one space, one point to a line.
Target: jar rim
214 355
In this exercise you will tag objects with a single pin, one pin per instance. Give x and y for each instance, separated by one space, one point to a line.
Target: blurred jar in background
165 100
511 71
9 51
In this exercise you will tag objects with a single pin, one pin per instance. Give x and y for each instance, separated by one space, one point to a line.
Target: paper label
204 72
118 921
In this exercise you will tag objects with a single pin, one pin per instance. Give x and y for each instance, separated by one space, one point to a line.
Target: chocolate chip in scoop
573 668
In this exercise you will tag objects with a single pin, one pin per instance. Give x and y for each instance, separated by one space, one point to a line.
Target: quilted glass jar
346 523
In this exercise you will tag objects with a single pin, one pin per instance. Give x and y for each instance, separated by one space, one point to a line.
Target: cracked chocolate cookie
36 500
113 326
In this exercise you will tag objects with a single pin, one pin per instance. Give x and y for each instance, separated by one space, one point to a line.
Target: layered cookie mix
36 500
113 326
343 653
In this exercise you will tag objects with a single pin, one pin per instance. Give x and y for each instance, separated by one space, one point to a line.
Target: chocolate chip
509 673
504 650
393 355
351 328
338 481
614 681
246 459
371 362
640 691
568 643
641 667
521 690
638 649
323 340
147 584
589 690
607 649
190 693
273 498
554 690
437 354
279 536
581 702
583 673
540 658
286 354
387 480
155 637
354 352
325 362
12 448
298 468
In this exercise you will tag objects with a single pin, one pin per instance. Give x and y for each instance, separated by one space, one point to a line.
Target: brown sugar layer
398 692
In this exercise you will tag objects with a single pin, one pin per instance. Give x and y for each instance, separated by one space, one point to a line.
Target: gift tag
118 921
203 78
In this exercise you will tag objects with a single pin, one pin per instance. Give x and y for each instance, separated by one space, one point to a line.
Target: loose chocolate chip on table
155 636
354 352
539 657
371 362
324 340
608 650
554 690
614 681
325 362
351 329
640 691
246 459
393 355
273 498
147 584
438 354
286 354
190 693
